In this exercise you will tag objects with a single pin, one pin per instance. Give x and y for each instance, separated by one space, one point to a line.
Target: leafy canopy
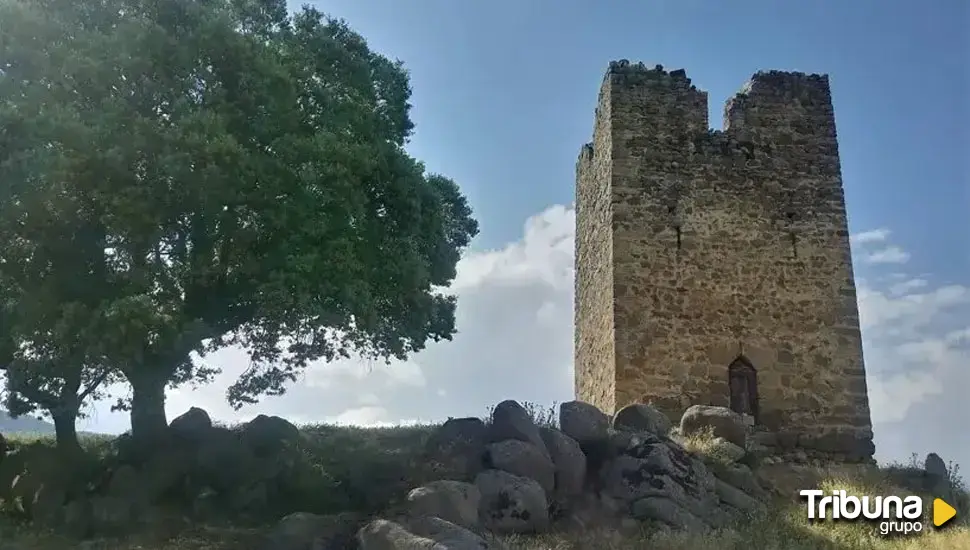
209 173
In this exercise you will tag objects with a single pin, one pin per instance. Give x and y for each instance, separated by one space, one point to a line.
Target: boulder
510 420
268 434
569 462
511 504
737 499
382 534
584 423
454 501
192 425
449 535
522 459
669 512
724 450
722 420
642 418
305 531
455 449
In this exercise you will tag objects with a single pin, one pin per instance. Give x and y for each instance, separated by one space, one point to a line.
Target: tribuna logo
894 514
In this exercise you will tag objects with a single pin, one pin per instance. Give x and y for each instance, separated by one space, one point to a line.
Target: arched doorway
743 383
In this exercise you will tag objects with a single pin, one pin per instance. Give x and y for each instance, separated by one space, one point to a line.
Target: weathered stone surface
382 534
512 504
642 418
194 424
522 459
935 466
583 422
728 451
737 498
667 511
267 434
456 448
725 423
305 531
569 462
736 242
449 535
453 501
510 420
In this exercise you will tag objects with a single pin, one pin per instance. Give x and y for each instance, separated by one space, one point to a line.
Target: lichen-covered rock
511 504
583 422
722 420
522 459
639 417
453 501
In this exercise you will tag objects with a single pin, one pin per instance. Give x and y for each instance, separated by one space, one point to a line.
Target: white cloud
873 236
888 255
907 285
514 341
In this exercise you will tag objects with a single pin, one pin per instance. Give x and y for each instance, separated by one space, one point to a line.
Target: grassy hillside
370 467
23 424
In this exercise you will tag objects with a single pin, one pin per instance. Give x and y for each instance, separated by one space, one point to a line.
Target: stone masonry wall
594 337
725 245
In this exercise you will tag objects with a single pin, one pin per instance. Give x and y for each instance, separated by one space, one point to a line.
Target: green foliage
190 175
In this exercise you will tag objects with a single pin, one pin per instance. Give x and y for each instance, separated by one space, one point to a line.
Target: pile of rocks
511 476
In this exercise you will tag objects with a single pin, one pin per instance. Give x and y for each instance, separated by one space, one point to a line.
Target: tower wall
726 247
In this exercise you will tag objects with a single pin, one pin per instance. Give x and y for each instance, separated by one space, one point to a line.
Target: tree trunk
148 421
65 428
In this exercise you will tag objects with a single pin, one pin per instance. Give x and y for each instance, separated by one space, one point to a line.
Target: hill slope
23 424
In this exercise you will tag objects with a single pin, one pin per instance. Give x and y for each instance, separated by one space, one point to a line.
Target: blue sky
504 93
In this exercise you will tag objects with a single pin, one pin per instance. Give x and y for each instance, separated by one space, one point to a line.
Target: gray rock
193 425
642 418
453 501
455 449
725 450
510 420
268 434
382 534
669 512
569 461
512 504
736 498
451 536
305 531
724 422
522 459
584 422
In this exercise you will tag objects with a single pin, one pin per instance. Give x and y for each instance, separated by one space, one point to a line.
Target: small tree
243 172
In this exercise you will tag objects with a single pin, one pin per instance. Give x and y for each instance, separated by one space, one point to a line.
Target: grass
365 470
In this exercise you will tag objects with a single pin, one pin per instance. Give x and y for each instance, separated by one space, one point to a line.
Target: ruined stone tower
713 267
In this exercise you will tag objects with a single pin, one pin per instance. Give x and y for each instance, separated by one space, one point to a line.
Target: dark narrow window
744 388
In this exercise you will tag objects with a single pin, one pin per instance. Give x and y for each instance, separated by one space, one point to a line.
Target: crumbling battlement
714 267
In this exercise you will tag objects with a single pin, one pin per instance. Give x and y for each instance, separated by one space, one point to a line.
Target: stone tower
713 267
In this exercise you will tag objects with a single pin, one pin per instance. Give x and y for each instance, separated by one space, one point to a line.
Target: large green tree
244 175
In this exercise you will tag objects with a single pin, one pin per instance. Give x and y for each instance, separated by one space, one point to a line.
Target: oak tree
239 176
